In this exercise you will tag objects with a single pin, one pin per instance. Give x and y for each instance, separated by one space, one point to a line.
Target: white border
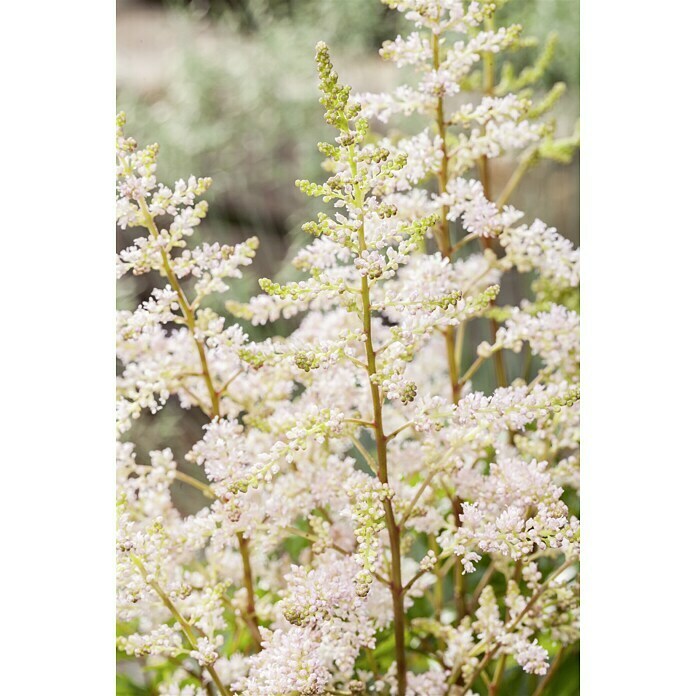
639 486
638 417
57 517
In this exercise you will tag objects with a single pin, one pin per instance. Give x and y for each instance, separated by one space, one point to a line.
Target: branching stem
214 394
485 176
382 466
493 650
186 627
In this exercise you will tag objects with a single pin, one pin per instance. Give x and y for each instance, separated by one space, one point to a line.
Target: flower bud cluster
368 515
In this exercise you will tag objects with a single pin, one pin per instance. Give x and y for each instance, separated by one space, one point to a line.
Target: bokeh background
228 89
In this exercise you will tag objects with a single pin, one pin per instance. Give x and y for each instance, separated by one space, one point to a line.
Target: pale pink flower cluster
352 466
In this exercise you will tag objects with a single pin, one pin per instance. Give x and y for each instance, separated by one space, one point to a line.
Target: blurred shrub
231 91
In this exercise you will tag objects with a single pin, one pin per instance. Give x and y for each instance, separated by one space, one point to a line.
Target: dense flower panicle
466 200
517 511
412 50
553 336
442 15
540 248
354 471
291 662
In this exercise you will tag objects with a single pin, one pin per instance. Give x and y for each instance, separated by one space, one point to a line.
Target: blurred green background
228 89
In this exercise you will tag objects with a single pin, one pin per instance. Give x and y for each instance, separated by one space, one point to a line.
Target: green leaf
125 687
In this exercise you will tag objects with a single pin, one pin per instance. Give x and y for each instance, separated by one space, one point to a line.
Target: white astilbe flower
227 459
163 640
552 335
412 50
479 216
439 83
464 55
495 138
368 514
440 15
291 662
433 682
330 625
517 510
321 253
324 592
532 656
460 645
424 154
353 466
540 248
212 263
481 418
222 452
427 280
492 109
405 100
489 626
204 653
323 293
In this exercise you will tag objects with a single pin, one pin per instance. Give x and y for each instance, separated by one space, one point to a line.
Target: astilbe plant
375 524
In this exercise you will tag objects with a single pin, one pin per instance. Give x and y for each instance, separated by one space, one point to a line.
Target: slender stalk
249 585
443 173
438 594
423 571
223 388
464 240
188 313
363 423
549 675
383 475
493 650
214 394
453 336
393 530
443 235
485 176
514 180
472 370
195 401
316 540
485 578
186 627
527 369
459 340
365 454
409 510
494 686
195 483
489 61
459 576
400 429
453 364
